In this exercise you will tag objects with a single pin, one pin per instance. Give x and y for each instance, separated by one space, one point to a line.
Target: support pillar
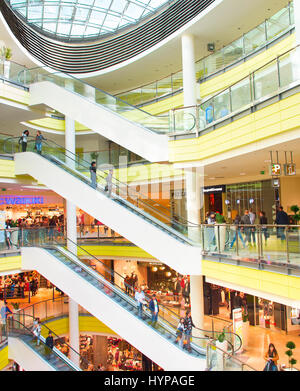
72 239
297 20
188 116
197 302
194 203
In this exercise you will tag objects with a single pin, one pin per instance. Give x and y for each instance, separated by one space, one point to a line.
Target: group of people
182 289
12 287
243 229
130 283
108 178
39 138
184 331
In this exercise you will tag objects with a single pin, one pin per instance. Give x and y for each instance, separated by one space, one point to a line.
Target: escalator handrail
133 302
64 358
119 184
57 336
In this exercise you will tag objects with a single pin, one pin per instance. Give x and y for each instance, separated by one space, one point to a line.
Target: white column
70 142
197 303
188 70
74 331
297 20
186 118
194 203
194 183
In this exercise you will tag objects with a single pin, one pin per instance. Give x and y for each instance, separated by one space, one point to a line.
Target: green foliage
290 345
6 53
221 336
293 362
295 209
219 218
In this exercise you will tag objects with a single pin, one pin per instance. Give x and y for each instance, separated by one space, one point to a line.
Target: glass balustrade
279 74
250 42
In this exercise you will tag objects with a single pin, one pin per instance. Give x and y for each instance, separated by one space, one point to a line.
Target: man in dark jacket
177 289
281 219
245 220
186 291
154 308
49 344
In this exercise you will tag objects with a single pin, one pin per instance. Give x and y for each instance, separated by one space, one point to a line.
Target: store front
258 196
214 197
220 301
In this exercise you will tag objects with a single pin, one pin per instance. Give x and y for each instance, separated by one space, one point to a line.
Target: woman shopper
39 142
23 140
263 221
271 357
188 326
37 330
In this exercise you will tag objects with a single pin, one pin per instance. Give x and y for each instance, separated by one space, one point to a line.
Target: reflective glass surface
84 18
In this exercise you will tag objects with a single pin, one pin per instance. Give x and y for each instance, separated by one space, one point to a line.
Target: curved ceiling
116 49
71 20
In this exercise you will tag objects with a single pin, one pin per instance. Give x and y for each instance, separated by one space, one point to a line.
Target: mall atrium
150 185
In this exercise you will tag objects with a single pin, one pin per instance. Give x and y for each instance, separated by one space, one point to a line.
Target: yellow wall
10 263
115 251
55 124
7 168
272 283
235 74
14 94
3 357
86 324
289 192
272 120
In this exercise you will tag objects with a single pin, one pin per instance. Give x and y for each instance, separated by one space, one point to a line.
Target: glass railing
119 192
255 39
10 72
153 123
267 245
273 78
218 359
114 285
20 325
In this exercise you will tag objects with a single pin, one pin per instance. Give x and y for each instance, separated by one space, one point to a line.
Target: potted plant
295 209
222 344
291 346
6 55
221 231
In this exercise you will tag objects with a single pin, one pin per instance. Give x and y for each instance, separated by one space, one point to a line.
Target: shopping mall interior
149 185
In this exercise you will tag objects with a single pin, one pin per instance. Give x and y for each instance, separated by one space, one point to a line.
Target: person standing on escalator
23 140
39 142
93 171
188 327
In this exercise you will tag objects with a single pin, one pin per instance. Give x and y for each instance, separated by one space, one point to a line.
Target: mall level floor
258 339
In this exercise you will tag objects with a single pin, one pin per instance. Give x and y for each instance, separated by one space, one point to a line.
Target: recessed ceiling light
242 173
212 178
267 161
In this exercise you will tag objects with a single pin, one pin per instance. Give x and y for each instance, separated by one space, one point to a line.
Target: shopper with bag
179 332
271 357
188 326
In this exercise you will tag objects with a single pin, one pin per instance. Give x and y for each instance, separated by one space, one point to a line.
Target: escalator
102 292
133 215
126 125
23 347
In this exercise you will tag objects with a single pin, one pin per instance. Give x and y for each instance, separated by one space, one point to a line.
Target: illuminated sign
290 169
24 200
275 169
217 189
275 183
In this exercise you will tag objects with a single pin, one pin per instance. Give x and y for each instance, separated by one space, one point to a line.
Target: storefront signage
276 183
275 169
216 189
24 200
237 324
290 169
